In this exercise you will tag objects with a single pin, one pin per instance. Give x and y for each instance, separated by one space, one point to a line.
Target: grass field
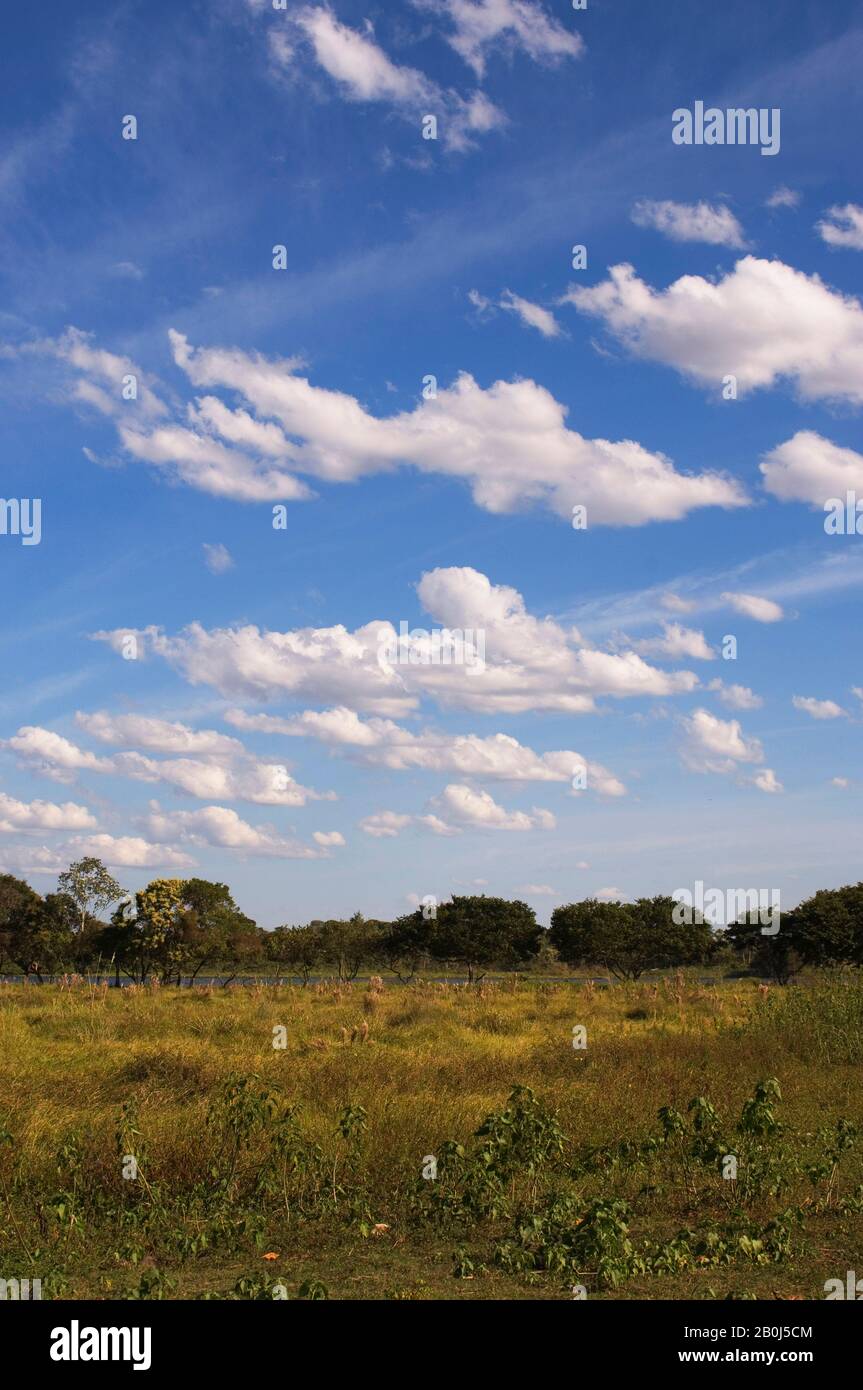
314 1152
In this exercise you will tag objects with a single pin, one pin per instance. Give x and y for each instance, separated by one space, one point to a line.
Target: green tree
90 886
627 938
350 945
477 933
777 956
18 905
405 944
297 950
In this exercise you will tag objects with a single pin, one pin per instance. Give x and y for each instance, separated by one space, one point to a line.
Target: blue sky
258 736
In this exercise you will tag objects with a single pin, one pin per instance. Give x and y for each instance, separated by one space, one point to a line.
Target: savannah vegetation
429 1140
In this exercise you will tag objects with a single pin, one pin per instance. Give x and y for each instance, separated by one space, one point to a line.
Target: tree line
176 929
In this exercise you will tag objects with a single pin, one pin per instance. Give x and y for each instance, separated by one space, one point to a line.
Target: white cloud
469 807
736 696
267 784
328 838
762 322
713 223
509 443
530 663
809 468
843 226
533 315
456 809
364 73
127 270
217 558
675 604
712 744
677 641
766 781
818 709
483 25
156 735
221 827
783 197
383 743
52 754
131 852
539 890
761 610
841 782
384 824
43 815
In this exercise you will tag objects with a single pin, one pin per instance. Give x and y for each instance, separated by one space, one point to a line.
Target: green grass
230 1169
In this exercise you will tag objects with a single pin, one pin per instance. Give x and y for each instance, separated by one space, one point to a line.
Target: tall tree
480 932
90 886
627 938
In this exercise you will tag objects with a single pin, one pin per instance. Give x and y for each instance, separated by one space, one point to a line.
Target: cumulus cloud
456 809
217 558
530 663
762 322
783 197
384 825
157 735
43 815
222 828
843 226
383 743
466 807
363 72
761 610
676 642
328 838
509 443
767 781
713 223
736 696
481 26
245 779
131 852
818 709
810 468
712 744
53 755
533 315
675 604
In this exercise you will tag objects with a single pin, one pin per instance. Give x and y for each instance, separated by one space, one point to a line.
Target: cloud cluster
530 663
224 770
810 468
363 72
711 744
383 743
843 226
762 322
509 442
714 224
221 827
458 808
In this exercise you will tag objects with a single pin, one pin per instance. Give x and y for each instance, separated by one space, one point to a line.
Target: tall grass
315 1151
